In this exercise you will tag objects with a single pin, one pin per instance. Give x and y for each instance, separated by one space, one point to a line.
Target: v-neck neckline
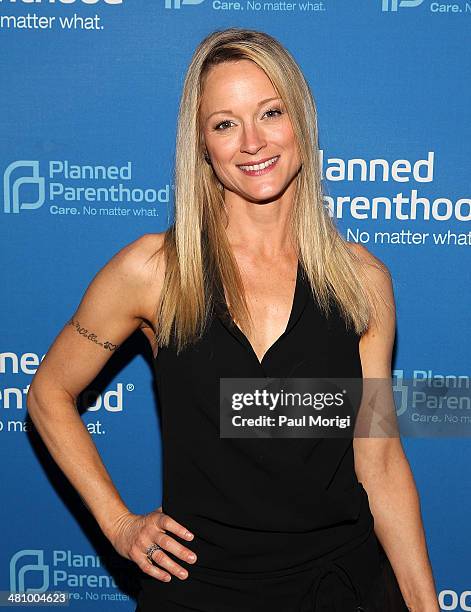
297 306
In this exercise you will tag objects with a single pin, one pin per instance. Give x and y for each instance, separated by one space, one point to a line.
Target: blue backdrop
97 83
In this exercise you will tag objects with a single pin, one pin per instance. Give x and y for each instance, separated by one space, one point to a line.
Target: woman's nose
252 139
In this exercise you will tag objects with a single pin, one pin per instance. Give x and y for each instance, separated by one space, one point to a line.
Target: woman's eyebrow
229 112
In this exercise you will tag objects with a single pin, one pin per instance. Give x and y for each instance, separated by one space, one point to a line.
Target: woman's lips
269 168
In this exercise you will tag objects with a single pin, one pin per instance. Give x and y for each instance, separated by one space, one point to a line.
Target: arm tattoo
91 336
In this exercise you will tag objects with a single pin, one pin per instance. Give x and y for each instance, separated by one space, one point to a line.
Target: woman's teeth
260 166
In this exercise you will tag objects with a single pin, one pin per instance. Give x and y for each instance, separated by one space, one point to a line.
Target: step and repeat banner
90 92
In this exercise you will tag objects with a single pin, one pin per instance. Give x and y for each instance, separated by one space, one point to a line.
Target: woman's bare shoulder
380 286
141 265
144 245
375 269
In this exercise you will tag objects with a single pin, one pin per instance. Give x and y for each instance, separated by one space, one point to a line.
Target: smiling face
245 123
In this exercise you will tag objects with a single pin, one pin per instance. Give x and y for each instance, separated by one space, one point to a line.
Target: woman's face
244 123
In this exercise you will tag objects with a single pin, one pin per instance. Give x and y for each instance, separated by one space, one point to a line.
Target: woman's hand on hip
133 534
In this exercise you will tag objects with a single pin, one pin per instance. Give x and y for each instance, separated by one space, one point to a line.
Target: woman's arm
381 465
121 298
110 310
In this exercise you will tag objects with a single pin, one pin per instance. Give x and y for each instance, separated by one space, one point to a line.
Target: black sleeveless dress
281 525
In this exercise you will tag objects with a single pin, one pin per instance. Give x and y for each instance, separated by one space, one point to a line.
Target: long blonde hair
196 246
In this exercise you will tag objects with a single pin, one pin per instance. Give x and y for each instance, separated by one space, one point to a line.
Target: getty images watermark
344 408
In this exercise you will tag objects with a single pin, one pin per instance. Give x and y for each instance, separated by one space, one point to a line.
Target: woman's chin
262 195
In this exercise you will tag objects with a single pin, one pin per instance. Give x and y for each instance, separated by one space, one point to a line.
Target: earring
206 157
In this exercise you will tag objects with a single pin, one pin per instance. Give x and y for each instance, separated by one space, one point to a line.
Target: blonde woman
252 280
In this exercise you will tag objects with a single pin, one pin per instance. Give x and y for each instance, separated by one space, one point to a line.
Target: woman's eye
274 110
223 123
221 127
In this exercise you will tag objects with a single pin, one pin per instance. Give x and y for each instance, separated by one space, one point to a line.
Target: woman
276 524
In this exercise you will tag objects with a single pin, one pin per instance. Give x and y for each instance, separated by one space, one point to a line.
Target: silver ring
151 550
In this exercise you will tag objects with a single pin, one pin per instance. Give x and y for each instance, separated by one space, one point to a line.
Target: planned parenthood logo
64 188
401 392
12 192
393 5
176 4
431 404
79 576
23 565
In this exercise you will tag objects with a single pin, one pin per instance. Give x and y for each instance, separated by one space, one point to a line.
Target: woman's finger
148 567
160 558
167 523
169 544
